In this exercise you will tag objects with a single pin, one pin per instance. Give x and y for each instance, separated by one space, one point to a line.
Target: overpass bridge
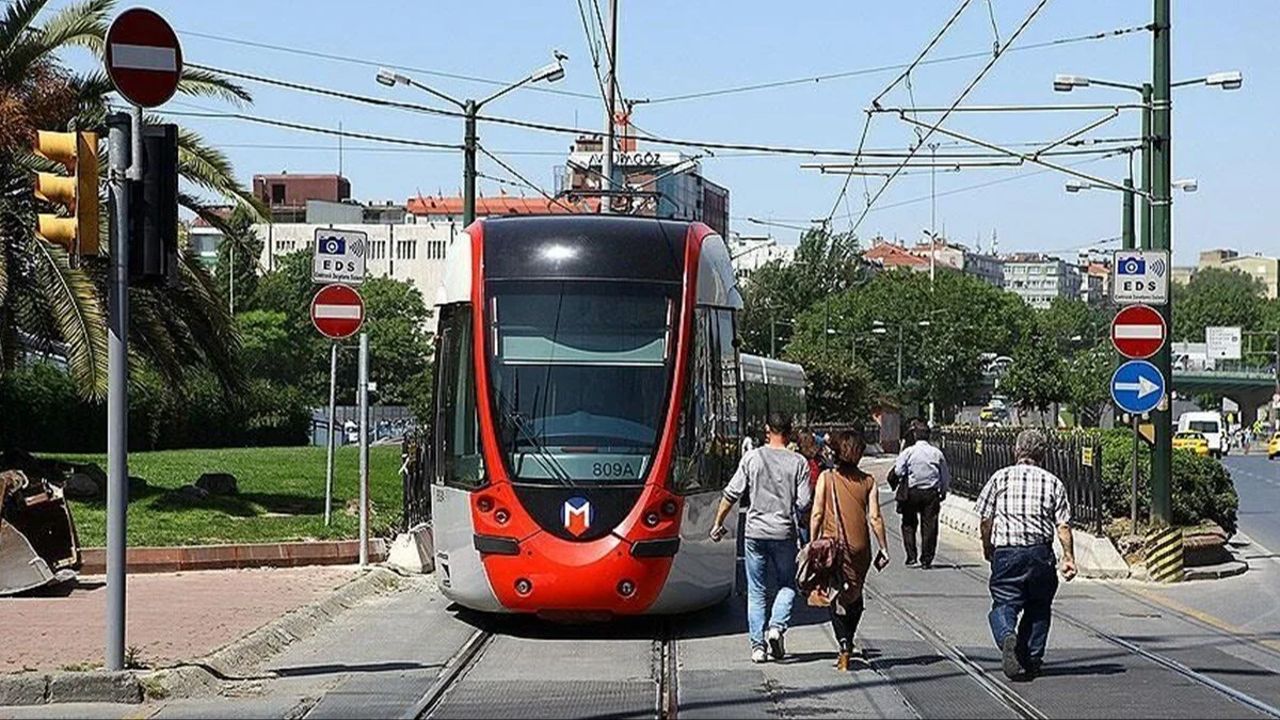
1250 388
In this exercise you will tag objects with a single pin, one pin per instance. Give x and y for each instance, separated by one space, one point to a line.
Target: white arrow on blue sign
1137 386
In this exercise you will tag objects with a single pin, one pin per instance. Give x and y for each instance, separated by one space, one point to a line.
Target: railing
415 470
976 454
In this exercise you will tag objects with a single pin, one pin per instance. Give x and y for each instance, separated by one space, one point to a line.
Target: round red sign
1138 331
337 311
143 57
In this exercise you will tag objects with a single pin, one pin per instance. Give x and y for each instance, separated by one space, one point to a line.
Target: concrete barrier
1096 557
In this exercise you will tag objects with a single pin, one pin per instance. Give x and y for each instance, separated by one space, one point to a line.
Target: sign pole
333 400
1133 501
121 165
364 449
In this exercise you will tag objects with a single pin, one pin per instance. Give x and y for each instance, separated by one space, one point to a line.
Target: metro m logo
576 514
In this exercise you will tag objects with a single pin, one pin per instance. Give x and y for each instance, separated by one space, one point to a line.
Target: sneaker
776 647
911 562
1009 657
926 565
758 655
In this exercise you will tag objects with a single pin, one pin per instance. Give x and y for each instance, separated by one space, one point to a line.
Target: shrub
1202 487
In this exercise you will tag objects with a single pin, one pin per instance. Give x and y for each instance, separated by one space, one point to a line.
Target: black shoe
1009 657
911 562
926 566
1033 668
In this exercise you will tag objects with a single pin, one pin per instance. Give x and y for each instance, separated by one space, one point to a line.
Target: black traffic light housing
153 210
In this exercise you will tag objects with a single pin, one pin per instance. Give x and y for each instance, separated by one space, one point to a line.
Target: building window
378 250
277 193
406 249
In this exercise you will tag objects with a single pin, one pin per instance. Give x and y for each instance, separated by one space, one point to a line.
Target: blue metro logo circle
1137 387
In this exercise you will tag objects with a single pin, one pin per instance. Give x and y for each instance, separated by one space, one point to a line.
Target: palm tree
44 300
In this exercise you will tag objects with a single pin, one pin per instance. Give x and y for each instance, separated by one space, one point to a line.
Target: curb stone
204 676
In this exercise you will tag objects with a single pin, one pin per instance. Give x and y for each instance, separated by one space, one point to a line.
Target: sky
674 47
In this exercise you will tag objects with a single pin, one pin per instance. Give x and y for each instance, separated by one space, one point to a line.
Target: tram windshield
580 373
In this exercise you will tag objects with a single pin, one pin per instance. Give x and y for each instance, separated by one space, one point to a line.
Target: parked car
1191 440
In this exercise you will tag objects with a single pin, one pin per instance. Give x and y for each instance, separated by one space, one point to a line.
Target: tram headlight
502 516
669 508
651 519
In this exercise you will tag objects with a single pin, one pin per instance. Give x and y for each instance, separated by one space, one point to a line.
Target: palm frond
210 169
17 21
83 24
73 304
202 83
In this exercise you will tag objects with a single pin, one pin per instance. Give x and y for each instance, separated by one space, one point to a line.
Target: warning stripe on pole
1165 555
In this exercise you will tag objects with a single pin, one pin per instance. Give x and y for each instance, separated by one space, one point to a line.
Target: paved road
1257 481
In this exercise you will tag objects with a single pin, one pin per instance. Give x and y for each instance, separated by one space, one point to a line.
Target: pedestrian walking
776 483
845 505
1021 508
924 469
808 445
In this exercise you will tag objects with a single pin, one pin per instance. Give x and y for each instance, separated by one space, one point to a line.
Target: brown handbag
821 562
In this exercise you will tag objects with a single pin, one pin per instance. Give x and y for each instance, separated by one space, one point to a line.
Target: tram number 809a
613 469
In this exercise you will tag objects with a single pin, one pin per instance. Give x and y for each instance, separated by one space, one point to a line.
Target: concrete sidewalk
171 616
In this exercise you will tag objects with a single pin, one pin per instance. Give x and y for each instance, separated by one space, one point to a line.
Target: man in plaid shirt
1022 507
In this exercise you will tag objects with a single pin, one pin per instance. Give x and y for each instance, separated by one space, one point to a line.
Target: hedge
1202 487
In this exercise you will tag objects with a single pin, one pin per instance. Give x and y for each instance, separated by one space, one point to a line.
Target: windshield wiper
541 453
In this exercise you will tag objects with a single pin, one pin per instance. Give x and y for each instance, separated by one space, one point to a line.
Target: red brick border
220 557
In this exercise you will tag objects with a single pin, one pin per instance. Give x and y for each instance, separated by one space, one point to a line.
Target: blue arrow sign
1137 386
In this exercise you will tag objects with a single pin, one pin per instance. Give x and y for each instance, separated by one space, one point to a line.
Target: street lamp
551 72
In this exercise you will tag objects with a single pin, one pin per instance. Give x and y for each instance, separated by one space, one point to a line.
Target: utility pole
1126 223
124 141
1162 234
899 357
231 271
469 165
933 212
606 200
363 392
1144 210
333 401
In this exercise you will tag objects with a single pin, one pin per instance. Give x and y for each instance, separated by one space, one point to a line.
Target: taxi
1273 447
1191 440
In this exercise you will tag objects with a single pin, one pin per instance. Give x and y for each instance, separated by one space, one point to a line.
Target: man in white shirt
928 477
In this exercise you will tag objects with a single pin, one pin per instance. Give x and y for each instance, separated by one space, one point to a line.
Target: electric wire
304 52
733 90
523 179
906 73
959 99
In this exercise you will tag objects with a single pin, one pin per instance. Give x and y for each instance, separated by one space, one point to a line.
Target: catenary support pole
1133 495
606 201
1162 226
330 436
469 165
120 150
364 449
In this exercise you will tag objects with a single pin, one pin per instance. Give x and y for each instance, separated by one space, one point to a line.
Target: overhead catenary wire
1035 11
937 37
366 62
318 129
516 174
875 70
513 122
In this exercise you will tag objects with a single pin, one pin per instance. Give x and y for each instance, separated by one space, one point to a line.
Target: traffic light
78 152
153 209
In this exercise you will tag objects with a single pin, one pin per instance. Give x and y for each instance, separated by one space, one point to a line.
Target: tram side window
457 446
697 462
729 437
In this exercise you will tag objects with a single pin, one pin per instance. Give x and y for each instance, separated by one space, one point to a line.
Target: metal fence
975 454
416 473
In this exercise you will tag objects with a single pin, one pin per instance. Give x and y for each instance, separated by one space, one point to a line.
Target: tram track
1006 694
666 661
454 670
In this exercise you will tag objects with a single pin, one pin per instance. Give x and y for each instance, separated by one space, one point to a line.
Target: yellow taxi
1191 440
1273 447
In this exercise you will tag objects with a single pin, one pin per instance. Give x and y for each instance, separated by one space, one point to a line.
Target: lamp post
551 72
1157 217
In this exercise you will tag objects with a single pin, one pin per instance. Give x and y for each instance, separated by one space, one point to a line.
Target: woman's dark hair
848 446
808 444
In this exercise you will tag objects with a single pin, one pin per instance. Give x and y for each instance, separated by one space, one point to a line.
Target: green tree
1035 380
239 256
824 264
399 340
1216 296
41 295
945 332
1066 359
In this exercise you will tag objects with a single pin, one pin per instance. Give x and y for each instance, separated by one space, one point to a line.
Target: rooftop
491 205
890 255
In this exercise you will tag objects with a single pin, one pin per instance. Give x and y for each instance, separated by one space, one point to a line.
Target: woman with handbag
846 506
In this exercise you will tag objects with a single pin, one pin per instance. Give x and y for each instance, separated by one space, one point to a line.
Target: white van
1211 425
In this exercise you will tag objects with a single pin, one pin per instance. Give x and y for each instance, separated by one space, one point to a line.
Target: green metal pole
469 166
1144 210
1126 225
1162 236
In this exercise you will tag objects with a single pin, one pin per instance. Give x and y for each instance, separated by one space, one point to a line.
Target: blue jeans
764 557
1023 580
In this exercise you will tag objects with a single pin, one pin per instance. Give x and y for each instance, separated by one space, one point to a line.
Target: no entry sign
337 311
1138 331
143 57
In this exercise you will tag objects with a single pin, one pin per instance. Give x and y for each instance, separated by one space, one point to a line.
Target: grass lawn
281 496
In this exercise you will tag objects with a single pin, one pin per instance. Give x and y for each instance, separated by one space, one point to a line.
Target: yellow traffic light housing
78 152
